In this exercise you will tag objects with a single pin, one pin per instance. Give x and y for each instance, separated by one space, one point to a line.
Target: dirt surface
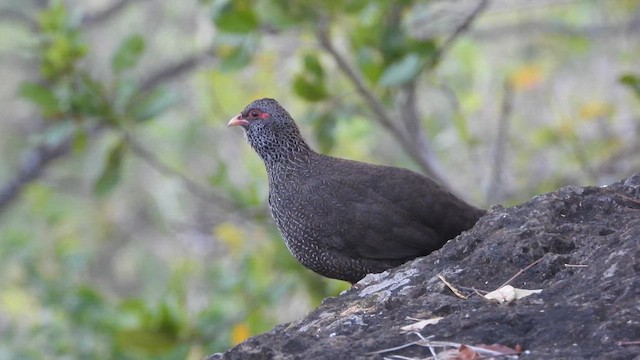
582 247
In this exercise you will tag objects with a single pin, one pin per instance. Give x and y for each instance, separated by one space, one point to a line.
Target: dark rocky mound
587 244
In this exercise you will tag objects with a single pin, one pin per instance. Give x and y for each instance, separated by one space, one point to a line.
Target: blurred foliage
150 237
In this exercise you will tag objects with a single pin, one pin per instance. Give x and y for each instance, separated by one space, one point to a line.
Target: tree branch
101 16
461 29
410 137
378 109
198 190
13 15
34 165
413 129
38 160
381 115
495 192
175 70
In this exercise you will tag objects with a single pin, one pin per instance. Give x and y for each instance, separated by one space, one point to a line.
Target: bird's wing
361 220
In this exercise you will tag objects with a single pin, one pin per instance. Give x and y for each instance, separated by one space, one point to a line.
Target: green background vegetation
133 222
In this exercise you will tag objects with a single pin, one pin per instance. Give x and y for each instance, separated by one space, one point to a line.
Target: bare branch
411 137
381 113
101 16
197 189
13 15
495 191
461 29
33 166
172 71
413 128
38 160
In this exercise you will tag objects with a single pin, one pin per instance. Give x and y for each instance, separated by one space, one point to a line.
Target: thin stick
520 273
628 343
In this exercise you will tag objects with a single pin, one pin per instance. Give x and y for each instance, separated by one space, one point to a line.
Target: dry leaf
417 326
466 353
508 293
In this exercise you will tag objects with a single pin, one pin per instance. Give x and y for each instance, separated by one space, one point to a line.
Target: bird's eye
254 114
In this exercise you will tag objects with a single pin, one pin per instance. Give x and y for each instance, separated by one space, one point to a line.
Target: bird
344 219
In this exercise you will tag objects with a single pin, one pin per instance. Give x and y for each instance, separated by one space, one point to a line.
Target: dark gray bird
344 219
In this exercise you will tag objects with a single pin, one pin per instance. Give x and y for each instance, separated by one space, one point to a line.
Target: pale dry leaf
417 326
508 293
450 354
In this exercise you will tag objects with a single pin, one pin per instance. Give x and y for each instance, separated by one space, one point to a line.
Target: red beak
238 120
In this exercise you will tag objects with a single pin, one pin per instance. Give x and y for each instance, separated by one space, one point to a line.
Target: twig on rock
520 273
453 289
628 343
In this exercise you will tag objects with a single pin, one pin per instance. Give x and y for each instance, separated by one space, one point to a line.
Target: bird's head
270 130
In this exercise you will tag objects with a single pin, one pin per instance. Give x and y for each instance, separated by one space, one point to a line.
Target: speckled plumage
344 219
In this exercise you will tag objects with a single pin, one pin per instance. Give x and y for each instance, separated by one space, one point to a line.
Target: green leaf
124 93
221 175
310 83
235 17
80 140
632 81
61 54
393 44
369 62
324 130
309 90
401 71
313 66
87 98
153 104
236 59
41 96
111 172
462 127
128 54
424 48
149 341
54 18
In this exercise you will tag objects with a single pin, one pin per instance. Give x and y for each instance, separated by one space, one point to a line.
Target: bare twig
33 167
16 16
197 189
379 110
495 191
637 201
628 343
177 69
461 29
413 131
536 28
453 289
481 351
101 16
520 273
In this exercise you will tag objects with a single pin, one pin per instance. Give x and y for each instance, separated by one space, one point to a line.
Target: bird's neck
286 154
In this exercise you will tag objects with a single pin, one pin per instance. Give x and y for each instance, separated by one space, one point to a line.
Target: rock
587 241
